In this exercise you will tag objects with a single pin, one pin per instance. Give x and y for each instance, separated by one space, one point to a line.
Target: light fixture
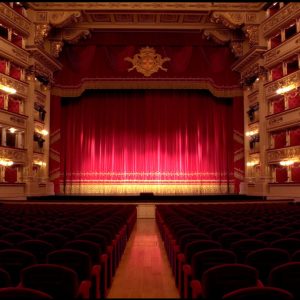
285 89
7 89
286 162
39 163
12 130
44 132
6 163
252 163
252 132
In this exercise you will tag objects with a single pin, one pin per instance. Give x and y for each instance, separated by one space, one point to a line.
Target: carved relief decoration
15 155
41 32
251 32
21 87
237 48
56 48
219 36
147 61
61 19
230 20
72 36
281 154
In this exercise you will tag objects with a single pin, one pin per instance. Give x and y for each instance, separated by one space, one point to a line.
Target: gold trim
76 91
159 189
147 61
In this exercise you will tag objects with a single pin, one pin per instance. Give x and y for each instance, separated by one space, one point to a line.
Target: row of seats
234 239
66 251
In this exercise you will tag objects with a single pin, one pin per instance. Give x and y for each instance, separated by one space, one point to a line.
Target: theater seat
18 293
259 293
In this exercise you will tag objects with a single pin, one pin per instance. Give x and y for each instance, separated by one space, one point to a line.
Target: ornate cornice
155 6
56 48
44 62
41 32
14 20
234 20
274 156
237 48
58 19
273 24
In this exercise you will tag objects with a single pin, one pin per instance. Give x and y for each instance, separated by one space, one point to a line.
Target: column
21 107
289 173
286 102
287 138
6 102
2 173
282 33
273 173
271 107
19 140
3 136
271 141
19 173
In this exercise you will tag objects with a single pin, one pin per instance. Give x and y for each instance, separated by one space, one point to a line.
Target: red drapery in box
295 136
10 174
2 65
278 105
279 139
281 174
1 101
277 72
295 172
15 72
147 137
293 99
13 105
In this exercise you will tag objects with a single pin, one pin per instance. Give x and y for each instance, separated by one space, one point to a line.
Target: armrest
180 257
187 269
259 283
96 277
84 289
196 289
103 258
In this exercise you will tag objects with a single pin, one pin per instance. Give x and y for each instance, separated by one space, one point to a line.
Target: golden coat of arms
147 61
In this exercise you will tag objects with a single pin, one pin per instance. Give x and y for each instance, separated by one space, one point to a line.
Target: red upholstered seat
18 293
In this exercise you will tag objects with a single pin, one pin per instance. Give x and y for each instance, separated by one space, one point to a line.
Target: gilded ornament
147 61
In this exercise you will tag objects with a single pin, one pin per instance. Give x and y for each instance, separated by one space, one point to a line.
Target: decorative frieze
283 119
16 155
280 19
274 156
41 32
251 32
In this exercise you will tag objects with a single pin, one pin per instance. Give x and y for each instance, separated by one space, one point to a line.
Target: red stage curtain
279 139
135 136
101 59
281 174
278 105
295 136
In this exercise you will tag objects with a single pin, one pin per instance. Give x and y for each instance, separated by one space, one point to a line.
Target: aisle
144 271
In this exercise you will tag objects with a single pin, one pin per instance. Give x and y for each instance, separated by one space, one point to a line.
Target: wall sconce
252 132
12 130
286 89
252 163
44 132
6 163
39 163
286 162
7 89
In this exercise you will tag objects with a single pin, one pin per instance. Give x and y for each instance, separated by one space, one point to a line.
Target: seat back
259 293
14 260
204 260
5 280
287 277
19 293
57 240
220 280
58 281
289 244
38 248
76 260
265 259
16 237
197 246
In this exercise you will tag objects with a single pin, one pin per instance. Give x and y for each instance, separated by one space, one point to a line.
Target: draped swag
161 141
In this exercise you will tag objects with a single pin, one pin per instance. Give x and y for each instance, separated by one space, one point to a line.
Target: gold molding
41 32
76 91
16 155
251 32
56 48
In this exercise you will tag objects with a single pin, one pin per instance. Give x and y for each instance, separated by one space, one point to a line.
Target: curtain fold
131 141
